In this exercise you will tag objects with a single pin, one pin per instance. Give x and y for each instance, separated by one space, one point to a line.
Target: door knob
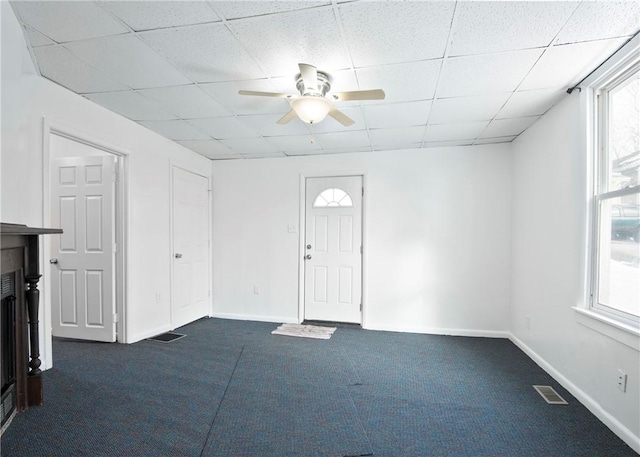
53 261
308 246
178 255
308 256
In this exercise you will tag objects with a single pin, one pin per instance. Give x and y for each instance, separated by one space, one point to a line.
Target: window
615 284
334 197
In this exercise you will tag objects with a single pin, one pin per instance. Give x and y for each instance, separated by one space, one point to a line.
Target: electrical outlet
622 381
256 289
158 299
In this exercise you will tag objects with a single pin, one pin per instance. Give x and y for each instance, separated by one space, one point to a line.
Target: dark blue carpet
230 388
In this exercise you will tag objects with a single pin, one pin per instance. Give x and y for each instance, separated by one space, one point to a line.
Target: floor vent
550 395
167 337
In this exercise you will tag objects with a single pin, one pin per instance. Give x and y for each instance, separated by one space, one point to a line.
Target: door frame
172 167
121 224
303 230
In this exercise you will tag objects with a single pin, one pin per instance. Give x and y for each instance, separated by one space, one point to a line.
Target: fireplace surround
20 372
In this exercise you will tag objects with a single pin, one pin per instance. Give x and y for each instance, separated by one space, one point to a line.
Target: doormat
305 331
167 337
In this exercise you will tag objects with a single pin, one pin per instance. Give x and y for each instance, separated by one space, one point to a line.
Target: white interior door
83 257
333 249
190 289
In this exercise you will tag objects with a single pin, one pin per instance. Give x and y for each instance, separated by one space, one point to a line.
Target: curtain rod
576 86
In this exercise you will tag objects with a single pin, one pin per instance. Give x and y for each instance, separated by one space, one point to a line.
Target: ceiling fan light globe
311 109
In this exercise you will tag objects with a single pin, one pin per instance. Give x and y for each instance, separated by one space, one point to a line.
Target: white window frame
625 64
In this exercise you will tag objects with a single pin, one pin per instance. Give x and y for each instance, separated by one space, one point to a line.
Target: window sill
623 333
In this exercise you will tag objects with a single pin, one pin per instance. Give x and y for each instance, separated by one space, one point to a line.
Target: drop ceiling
454 73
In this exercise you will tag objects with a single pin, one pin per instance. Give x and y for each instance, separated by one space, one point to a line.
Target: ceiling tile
128 60
280 42
158 14
36 39
501 139
397 138
226 93
478 75
224 127
598 20
294 143
56 61
465 109
389 115
530 102
250 145
445 144
212 149
263 155
236 9
402 82
265 125
391 32
563 66
205 53
343 80
349 139
68 21
186 102
175 130
130 104
508 127
485 27
329 151
456 131
329 124
306 153
227 46
342 150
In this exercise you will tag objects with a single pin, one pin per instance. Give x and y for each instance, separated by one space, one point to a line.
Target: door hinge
360 307
363 191
114 176
115 318
115 247
360 249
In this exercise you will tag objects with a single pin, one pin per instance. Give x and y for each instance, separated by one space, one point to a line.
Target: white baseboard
439 331
614 424
257 318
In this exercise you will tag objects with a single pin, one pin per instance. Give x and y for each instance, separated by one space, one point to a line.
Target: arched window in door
333 198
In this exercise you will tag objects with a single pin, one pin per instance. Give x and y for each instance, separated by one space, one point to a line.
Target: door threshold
332 324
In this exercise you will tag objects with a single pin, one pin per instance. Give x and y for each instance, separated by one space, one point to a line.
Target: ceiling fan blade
263 94
287 118
341 117
309 76
375 94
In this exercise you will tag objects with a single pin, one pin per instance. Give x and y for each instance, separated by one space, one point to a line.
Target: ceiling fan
314 103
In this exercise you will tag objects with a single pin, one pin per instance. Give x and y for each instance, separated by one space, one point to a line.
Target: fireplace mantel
19 268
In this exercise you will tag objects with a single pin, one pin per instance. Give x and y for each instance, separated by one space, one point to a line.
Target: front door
190 292
83 257
333 249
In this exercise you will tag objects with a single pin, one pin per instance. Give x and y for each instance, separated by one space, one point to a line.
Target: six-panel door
82 257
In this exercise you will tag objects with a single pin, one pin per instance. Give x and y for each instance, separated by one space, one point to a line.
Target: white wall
437 237
549 238
27 99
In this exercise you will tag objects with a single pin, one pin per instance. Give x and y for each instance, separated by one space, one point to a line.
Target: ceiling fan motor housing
321 89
